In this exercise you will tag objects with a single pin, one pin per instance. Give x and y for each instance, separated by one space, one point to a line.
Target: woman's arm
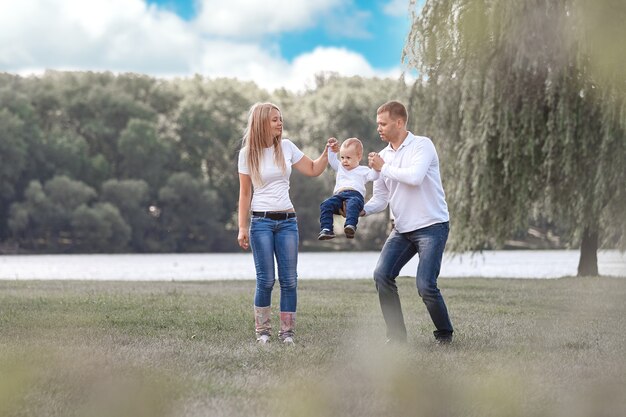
313 168
245 198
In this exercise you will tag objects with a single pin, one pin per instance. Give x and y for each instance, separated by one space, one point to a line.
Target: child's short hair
354 142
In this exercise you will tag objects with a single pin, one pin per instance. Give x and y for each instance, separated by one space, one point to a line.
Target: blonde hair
354 143
255 140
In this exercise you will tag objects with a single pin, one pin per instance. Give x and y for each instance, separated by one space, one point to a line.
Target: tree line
97 162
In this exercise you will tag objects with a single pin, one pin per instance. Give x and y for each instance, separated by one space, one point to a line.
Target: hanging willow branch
527 102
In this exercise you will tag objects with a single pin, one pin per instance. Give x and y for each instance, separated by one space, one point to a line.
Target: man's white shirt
410 183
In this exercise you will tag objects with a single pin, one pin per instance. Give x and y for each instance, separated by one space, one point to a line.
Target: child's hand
333 144
375 161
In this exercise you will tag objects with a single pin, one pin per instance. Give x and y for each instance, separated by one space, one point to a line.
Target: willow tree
528 98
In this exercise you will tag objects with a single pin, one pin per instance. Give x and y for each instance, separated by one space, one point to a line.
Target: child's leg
354 206
328 208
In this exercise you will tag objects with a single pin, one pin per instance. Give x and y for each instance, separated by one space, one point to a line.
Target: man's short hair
396 110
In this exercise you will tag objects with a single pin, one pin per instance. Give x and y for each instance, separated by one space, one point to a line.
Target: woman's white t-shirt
273 194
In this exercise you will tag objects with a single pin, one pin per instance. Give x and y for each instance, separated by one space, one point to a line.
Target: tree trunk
588 263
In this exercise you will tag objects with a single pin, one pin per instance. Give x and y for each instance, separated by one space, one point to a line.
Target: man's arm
415 173
379 200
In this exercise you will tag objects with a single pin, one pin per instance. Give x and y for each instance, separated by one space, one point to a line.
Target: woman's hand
243 239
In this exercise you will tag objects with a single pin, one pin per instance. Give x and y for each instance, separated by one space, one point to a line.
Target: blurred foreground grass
115 349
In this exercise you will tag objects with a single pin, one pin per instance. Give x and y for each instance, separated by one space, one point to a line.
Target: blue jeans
278 239
429 242
354 204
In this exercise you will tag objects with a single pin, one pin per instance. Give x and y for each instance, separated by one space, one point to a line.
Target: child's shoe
349 230
326 234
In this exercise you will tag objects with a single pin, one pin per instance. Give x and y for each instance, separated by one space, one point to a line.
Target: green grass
522 348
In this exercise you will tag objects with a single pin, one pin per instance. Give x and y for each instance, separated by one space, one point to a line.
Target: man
411 184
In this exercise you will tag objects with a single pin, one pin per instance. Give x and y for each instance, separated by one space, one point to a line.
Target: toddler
349 189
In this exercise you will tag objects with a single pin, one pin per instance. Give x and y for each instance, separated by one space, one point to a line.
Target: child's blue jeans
354 205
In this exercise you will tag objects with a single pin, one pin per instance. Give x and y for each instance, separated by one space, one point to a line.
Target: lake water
318 265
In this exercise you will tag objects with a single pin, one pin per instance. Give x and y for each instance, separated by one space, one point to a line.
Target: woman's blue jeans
429 242
269 240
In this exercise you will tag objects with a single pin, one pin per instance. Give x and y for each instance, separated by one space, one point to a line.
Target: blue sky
380 38
276 43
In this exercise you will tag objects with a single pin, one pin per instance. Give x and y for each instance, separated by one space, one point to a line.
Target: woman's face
276 123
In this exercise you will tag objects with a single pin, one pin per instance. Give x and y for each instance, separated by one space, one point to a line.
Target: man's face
349 157
388 129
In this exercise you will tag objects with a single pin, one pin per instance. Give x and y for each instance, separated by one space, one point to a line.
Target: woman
265 163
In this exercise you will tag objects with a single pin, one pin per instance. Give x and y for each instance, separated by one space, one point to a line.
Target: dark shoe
443 341
349 230
326 234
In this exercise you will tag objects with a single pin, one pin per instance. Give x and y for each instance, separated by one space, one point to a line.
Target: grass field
113 349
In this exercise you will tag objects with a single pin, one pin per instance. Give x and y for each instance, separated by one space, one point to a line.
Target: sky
275 43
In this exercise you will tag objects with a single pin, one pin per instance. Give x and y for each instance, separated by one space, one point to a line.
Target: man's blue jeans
354 204
429 242
269 240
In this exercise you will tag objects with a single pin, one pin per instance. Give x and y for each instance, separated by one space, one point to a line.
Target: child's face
349 157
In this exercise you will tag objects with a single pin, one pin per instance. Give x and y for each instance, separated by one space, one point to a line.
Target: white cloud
254 64
130 36
348 24
331 60
339 61
117 35
245 18
246 61
397 8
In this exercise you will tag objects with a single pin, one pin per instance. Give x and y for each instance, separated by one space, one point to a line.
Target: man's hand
342 210
375 161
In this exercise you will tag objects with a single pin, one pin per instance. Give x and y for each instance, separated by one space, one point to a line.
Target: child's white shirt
354 179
